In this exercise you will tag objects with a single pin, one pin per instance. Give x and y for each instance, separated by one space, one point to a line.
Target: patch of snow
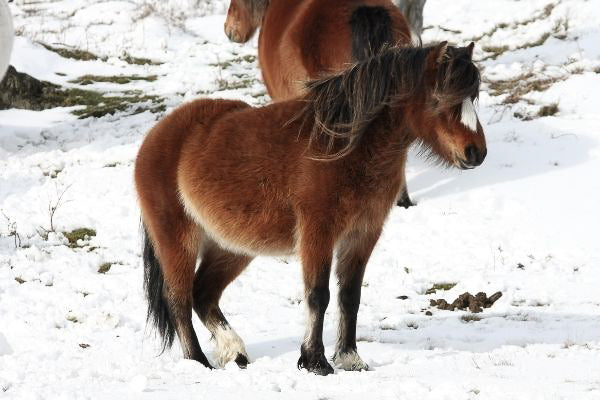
525 223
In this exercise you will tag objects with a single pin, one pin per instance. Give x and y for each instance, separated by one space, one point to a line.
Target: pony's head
444 119
243 18
427 93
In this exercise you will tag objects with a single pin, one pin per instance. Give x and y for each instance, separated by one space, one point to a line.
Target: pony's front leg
353 254
316 252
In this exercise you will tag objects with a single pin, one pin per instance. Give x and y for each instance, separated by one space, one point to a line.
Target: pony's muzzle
473 157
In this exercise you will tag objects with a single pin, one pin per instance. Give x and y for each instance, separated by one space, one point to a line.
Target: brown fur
221 181
303 40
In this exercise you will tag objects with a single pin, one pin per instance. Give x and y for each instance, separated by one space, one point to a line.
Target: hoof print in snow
467 301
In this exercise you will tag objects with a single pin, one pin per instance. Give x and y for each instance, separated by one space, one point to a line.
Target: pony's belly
242 228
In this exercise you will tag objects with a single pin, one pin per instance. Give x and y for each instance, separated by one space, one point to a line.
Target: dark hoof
241 361
316 364
405 202
203 360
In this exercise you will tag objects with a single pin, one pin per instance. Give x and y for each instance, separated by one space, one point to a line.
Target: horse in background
304 40
223 182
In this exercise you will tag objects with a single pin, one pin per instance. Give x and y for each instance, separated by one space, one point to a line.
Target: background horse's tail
159 313
371 30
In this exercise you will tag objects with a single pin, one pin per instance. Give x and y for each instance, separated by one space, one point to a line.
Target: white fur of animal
7 34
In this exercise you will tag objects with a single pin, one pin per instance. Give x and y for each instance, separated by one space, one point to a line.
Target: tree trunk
413 11
6 36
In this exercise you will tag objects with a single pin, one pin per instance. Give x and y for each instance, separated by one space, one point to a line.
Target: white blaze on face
468 115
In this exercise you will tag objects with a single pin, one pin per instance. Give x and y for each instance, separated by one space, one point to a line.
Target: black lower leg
182 317
353 255
312 351
349 301
404 199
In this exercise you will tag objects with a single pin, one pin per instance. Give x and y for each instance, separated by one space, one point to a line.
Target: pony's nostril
472 155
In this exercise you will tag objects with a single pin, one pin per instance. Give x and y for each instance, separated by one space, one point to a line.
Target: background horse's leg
404 199
316 252
218 269
353 255
178 251
413 12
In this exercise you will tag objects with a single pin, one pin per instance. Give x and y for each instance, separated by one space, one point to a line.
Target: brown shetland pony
223 182
305 40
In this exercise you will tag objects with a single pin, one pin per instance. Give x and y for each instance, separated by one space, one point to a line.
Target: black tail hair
371 31
159 313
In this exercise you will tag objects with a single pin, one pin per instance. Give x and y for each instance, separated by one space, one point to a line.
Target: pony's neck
384 145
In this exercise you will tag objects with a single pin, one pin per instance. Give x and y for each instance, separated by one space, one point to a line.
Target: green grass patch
84 55
129 59
53 173
119 79
517 87
72 53
240 83
549 110
104 268
79 234
97 104
440 286
470 318
495 51
535 43
237 60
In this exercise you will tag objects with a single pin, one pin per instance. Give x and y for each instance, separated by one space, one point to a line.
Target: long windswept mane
344 105
457 78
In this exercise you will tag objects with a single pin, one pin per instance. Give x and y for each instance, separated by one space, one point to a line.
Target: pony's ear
436 55
470 50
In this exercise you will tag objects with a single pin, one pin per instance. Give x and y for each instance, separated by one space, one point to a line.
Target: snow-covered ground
526 223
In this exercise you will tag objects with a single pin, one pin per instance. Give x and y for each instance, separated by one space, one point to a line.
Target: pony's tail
372 30
159 312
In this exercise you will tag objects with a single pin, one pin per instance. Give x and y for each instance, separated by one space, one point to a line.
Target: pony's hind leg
169 285
353 254
218 269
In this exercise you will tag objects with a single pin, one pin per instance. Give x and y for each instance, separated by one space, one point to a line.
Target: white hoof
229 346
350 361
